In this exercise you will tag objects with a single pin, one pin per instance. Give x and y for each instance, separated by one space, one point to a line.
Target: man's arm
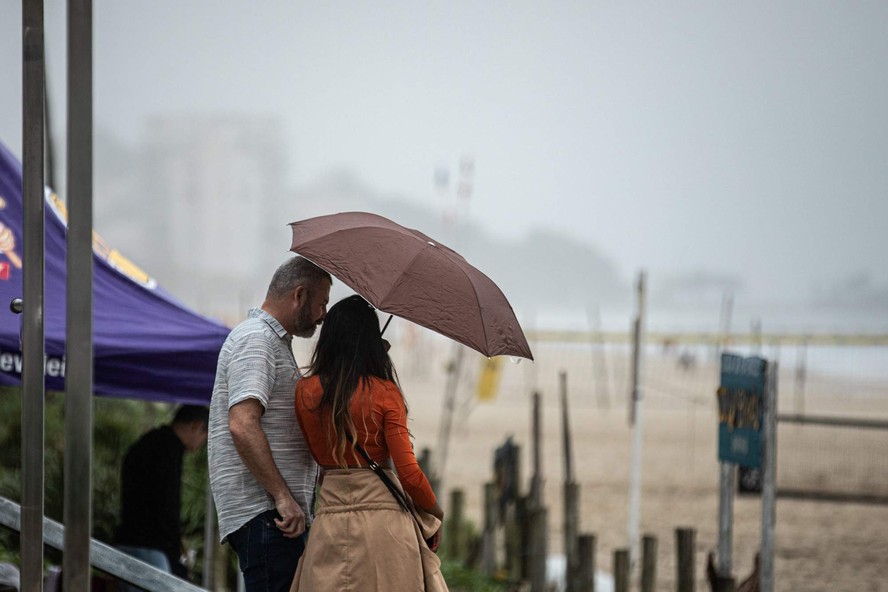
253 448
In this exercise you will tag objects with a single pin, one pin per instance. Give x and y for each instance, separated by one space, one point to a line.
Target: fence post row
586 558
621 570
684 545
649 563
454 534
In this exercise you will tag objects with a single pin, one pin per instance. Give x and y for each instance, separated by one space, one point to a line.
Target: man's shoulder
154 435
152 442
252 328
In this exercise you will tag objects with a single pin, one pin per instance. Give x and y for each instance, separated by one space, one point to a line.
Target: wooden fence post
539 529
454 522
536 479
507 509
571 532
586 556
520 540
537 544
571 492
488 536
425 465
649 563
684 545
425 460
621 570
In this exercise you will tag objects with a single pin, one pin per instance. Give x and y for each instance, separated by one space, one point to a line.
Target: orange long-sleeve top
380 418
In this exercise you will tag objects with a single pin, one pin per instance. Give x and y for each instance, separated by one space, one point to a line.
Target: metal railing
102 556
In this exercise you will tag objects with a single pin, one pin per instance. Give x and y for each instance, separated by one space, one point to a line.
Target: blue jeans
154 557
267 558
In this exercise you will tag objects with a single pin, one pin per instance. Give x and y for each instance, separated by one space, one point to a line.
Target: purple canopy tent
146 345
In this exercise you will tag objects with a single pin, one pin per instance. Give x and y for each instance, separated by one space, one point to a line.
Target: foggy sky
746 139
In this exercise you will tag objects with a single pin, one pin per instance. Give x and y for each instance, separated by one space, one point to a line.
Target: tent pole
79 350
33 249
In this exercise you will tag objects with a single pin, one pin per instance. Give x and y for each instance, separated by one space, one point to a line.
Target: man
261 471
151 483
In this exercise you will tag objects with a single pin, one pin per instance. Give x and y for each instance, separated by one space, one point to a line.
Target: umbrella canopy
403 272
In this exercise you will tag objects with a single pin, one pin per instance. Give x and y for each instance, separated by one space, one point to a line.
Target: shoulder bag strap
374 466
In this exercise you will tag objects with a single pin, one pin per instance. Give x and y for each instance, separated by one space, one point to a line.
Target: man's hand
292 520
253 448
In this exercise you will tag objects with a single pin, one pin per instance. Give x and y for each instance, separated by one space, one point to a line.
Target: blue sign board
741 401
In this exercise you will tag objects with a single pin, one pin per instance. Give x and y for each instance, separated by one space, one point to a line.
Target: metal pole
727 485
536 480
49 145
638 428
755 337
33 392
724 326
799 384
209 540
769 484
571 491
599 358
79 342
565 428
452 388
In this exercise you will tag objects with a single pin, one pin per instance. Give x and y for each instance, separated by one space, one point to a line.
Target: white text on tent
52 366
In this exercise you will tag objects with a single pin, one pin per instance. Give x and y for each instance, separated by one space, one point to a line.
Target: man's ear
300 294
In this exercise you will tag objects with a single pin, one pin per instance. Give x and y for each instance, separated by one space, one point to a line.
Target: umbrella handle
386 325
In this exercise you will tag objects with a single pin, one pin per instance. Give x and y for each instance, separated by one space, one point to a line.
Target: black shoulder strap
374 466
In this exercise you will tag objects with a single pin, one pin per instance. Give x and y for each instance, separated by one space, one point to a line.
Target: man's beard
305 325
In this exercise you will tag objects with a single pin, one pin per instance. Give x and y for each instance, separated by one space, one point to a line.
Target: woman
361 539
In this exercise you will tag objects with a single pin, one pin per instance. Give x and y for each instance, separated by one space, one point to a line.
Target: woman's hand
435 541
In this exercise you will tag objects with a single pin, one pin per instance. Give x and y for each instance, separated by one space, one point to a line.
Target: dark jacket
151 484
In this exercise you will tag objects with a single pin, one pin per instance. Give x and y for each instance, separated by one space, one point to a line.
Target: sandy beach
820 546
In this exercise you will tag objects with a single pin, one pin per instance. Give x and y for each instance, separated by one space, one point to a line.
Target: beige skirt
361 539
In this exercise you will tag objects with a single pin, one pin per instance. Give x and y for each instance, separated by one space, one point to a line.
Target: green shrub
117 424
461 579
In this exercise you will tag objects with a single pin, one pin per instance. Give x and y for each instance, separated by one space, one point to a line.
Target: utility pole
454 369
637 423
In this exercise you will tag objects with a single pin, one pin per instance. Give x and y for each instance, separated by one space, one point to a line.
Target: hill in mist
202 204
539 271
179 181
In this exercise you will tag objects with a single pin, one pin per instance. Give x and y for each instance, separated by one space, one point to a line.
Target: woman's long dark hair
349 351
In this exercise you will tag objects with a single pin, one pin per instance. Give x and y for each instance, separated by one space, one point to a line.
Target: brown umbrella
403 272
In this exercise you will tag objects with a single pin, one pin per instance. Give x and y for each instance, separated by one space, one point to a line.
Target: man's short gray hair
297 271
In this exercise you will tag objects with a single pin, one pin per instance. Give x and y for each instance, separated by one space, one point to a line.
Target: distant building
212 185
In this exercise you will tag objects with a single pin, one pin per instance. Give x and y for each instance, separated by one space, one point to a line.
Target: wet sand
820 546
